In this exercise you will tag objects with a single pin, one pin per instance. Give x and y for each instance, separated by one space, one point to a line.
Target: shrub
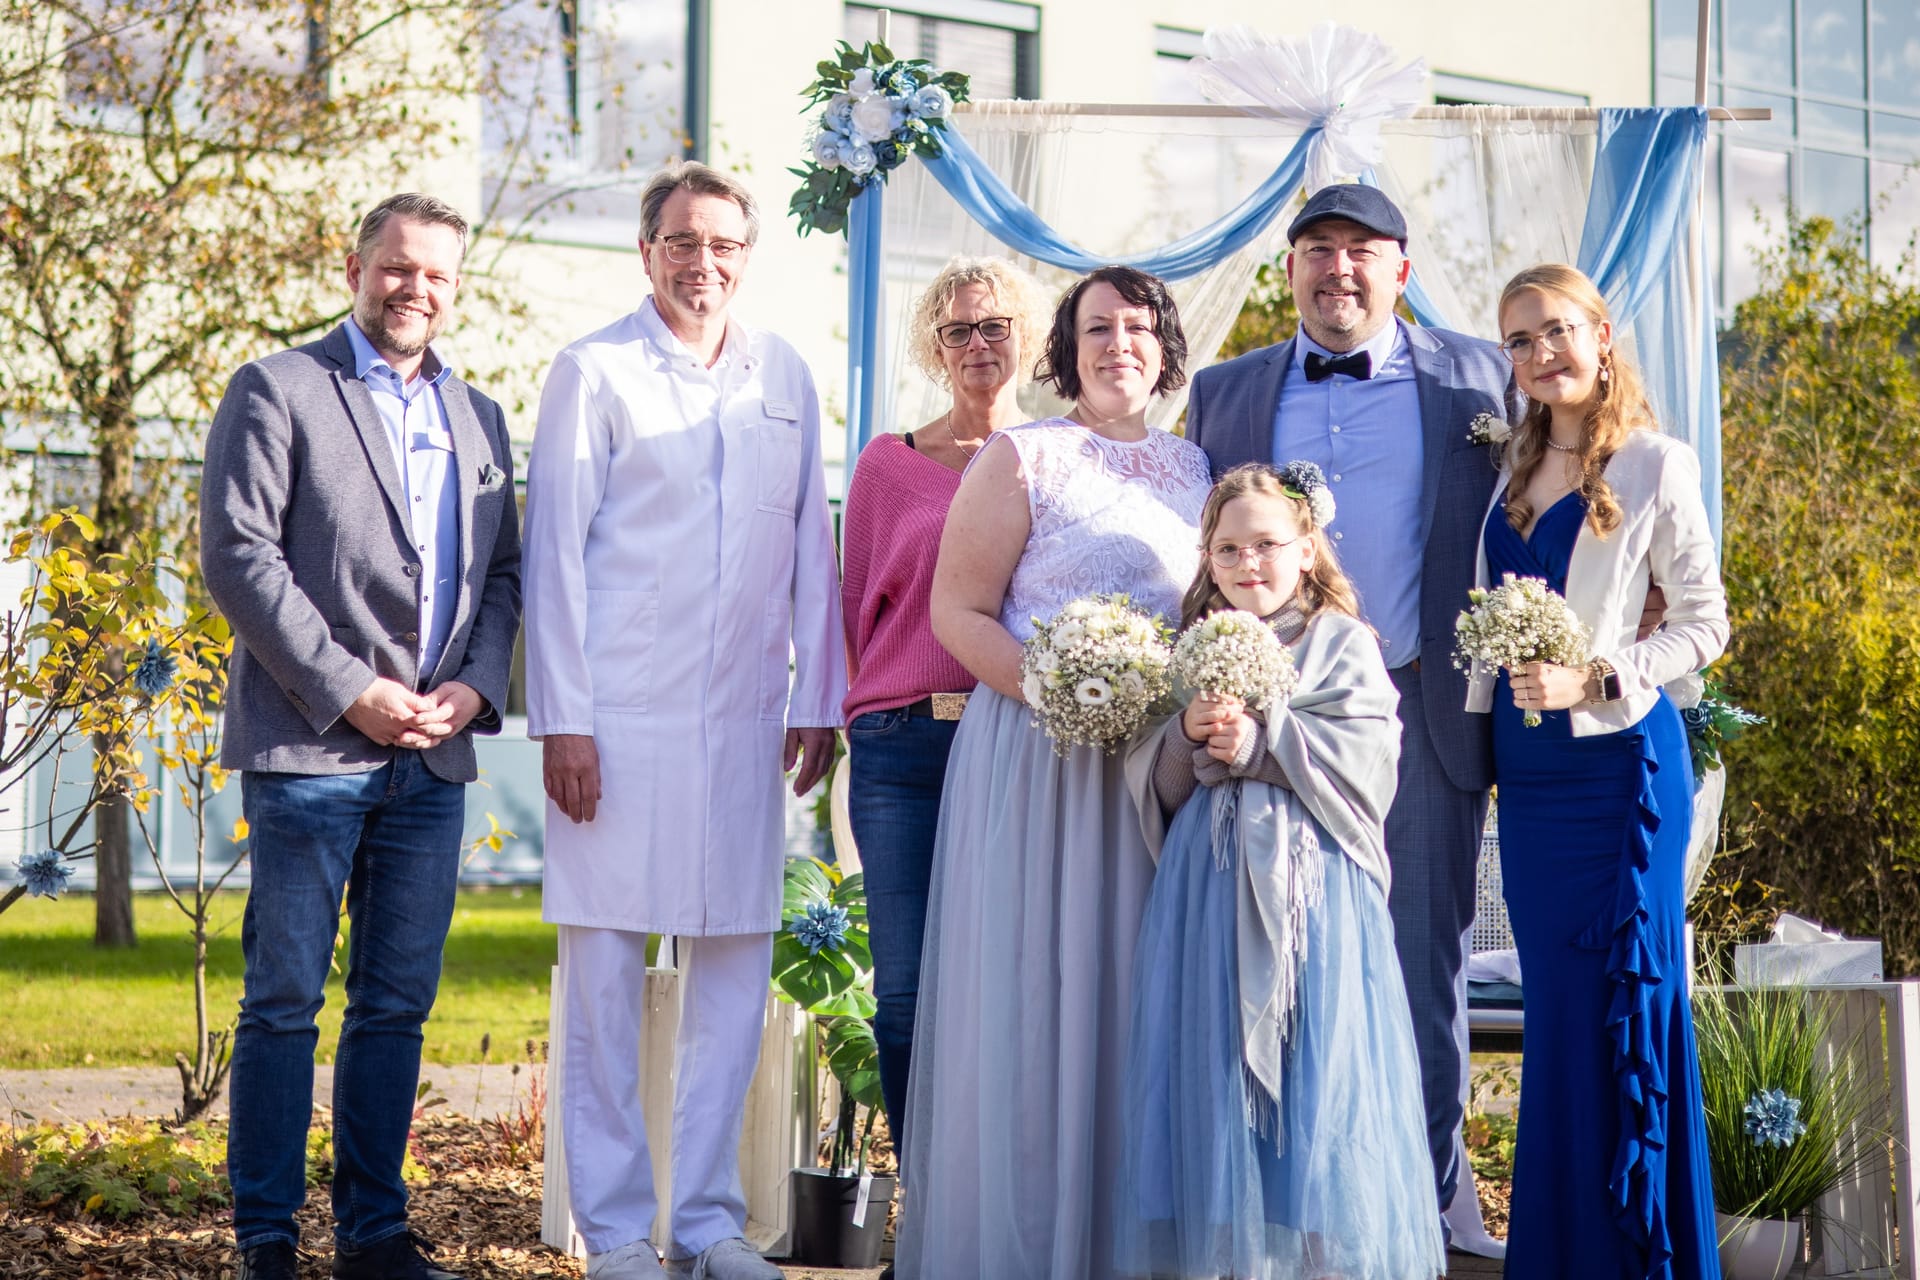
1821 440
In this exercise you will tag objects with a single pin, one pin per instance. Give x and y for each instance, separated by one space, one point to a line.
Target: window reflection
1896 53
1756 197
1832 186
1833 56
1760 41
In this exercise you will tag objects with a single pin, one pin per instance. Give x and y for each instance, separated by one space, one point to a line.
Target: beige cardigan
1663 538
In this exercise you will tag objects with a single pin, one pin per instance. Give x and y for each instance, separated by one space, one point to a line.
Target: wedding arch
1487 190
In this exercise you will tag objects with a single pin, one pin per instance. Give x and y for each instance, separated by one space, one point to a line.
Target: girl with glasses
1610 1172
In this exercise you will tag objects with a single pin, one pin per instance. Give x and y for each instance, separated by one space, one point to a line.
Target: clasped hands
1219 722
393 715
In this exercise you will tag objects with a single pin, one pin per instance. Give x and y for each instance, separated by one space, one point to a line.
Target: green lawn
64 1004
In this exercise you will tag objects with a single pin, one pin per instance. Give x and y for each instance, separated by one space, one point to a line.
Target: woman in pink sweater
974 330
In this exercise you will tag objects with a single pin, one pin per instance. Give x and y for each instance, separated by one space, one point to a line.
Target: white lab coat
678 550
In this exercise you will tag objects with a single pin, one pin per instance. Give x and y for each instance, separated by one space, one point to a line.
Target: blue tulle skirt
1330 1179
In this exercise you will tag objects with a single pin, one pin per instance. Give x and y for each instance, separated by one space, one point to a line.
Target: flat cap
1352 202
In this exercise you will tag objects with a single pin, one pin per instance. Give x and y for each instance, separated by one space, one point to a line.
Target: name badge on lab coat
782 410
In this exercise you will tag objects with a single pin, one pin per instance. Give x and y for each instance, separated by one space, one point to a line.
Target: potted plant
821 962
1788 1119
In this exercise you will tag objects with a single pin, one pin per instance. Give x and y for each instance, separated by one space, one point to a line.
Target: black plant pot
821 1219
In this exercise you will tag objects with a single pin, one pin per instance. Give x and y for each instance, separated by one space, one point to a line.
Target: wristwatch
1600 672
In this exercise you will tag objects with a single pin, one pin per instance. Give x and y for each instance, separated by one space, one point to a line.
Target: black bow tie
1355 364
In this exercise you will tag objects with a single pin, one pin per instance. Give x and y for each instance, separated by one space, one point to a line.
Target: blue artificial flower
932 102
1773 1119
44 873
839 114
823 927
157 669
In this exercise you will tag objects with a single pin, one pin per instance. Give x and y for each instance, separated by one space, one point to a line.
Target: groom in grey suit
358 531
1384 408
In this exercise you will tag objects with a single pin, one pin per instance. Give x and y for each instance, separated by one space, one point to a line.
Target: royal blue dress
1610 1176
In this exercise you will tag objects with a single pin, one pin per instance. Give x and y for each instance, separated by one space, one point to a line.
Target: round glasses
960 332
1519 348
684 249
1266 551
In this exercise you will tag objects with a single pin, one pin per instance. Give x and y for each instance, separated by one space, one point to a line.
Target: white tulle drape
1486 190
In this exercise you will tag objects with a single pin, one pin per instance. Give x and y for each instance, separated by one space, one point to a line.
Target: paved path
95 1093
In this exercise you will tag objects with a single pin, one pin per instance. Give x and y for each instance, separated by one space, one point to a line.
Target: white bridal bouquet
1094 671
1520 621
1235 653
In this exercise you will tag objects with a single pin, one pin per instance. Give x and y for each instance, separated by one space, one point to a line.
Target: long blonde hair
1323 586
1619 407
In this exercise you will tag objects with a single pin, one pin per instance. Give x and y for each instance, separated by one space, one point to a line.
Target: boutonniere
490 476
1488 429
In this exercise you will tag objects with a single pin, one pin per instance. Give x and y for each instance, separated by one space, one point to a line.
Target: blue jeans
391 840
899 765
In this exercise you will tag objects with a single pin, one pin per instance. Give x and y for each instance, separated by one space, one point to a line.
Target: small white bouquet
1235 653
1520 621
1092 673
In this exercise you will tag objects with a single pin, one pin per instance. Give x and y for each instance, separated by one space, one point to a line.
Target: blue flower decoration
1773 1119
44 873
156 671
823 927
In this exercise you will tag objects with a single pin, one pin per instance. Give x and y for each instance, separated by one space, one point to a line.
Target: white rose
1093 692
1047 660
1133 683
1068 634
1686 691
932 102
1032 690
1079 609
858 159
877 116
862 83
827 149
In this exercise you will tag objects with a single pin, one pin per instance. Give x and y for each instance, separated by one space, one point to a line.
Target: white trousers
723 999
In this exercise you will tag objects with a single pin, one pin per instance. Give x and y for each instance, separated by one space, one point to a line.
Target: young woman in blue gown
1610 1169
1274 1126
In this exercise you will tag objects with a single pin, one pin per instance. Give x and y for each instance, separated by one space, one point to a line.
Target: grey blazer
307 549
1230 415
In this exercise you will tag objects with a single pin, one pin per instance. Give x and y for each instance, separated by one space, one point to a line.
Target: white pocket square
491 476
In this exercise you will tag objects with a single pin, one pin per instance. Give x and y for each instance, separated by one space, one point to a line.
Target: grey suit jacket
307 549
1230 415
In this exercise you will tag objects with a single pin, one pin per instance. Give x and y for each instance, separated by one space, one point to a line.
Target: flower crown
1304 480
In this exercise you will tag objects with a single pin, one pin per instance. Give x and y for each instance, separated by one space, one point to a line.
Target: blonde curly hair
1015 293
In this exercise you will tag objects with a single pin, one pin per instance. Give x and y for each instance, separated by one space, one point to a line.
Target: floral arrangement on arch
879 110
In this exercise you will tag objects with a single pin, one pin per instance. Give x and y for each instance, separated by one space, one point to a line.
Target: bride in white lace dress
1040 874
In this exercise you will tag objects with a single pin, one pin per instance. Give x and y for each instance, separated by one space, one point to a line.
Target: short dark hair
691 175
1059 366
409 206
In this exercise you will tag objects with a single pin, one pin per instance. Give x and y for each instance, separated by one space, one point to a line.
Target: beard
371 315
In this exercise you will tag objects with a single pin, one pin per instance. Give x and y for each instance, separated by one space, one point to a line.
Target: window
995 43
1842 78
122 54
1451 90
581 99
1173 49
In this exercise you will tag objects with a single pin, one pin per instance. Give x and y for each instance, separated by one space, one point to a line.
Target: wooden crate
777 1134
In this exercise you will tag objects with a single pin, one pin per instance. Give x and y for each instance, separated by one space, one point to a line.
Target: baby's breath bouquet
1094 671
1235 653
1520 621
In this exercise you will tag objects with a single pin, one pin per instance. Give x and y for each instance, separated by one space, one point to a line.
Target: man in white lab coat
678 550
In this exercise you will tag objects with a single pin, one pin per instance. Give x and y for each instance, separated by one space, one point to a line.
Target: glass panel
1677 91
1756 203
1896 212
1833 55
1832 186
1840 126
987 54
1676 22
1781 126
1760 42
1896 136
1896 53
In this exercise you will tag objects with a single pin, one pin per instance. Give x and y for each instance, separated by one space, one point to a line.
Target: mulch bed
480 1206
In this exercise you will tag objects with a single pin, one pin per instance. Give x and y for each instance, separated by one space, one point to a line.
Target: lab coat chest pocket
776 648
621 629
776 456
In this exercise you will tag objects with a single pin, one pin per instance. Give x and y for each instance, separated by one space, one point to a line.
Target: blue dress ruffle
1610 1168
1332 1178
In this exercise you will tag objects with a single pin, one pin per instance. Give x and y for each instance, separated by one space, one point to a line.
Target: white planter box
1806 964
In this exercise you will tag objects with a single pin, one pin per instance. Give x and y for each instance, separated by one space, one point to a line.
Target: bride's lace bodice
1106 516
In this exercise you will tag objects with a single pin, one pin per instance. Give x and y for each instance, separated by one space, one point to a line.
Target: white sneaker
636 1261
734 1259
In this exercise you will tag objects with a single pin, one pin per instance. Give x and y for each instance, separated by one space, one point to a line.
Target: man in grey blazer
1384 408
358 530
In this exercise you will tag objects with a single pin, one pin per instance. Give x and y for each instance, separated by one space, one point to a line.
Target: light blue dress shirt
422 443
1367 437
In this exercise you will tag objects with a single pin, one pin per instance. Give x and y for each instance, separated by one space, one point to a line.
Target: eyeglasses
1266 551
960 332
1555 340
684 249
